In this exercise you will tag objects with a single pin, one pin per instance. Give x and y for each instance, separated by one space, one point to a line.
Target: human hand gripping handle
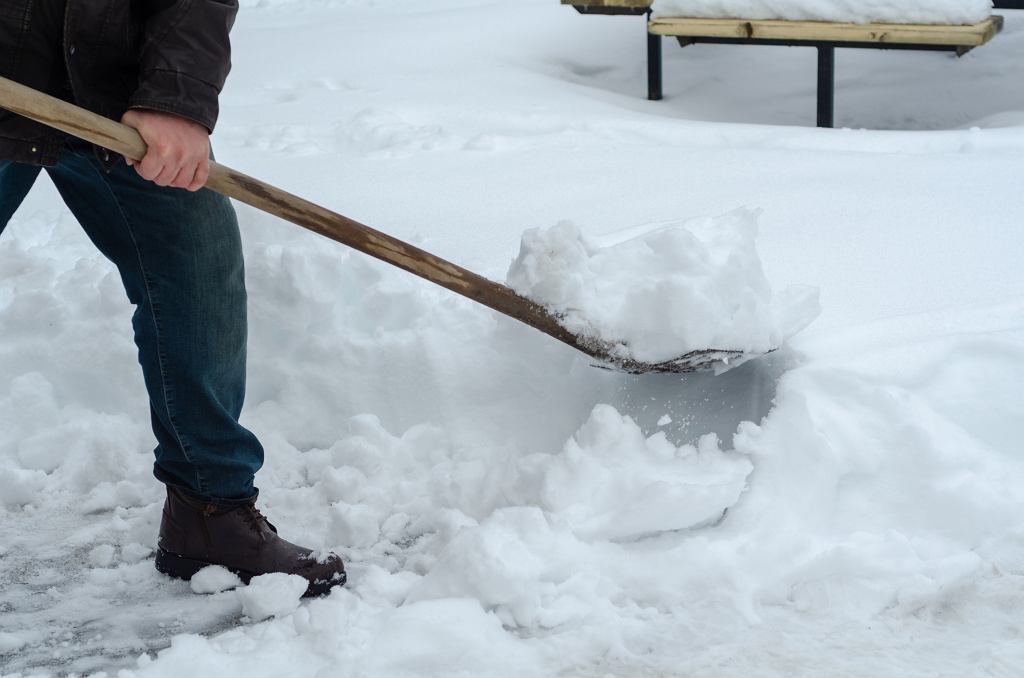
177 149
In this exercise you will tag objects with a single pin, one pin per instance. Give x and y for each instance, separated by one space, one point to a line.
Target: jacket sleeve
185 57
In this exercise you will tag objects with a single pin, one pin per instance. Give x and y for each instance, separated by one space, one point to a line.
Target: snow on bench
932 25
945 12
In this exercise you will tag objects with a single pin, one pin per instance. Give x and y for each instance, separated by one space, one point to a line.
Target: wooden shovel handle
126 141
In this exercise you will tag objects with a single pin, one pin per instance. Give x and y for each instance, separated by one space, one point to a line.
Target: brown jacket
112 55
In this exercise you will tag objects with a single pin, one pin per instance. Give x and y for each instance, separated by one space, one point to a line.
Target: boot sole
181 567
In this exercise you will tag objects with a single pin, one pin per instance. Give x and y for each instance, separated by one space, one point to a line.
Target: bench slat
915 34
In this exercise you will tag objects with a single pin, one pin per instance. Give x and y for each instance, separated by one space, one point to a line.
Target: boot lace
252 517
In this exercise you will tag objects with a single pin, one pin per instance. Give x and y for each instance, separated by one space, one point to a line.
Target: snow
214 579
610 483
847 505
9 642
102 555
682 287
851 11
271 595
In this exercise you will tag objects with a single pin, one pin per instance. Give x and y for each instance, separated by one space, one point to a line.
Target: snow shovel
126 141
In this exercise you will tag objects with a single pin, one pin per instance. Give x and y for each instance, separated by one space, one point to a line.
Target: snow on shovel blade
680 296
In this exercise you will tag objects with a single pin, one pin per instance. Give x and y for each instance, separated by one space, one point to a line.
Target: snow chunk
101 556
272 595
134 552
214 579
515 564
686 286
612 483
890 11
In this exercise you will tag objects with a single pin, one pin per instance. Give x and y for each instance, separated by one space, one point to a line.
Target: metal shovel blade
694 361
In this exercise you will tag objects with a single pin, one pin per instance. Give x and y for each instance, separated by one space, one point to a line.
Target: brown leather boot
194 534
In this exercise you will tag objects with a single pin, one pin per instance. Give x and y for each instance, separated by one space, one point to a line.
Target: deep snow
848 505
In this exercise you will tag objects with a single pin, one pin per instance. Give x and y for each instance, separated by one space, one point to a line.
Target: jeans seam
161 358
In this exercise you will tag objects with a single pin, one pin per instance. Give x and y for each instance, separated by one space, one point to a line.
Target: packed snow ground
849 505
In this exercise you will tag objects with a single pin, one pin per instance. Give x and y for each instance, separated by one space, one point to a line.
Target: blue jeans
180 259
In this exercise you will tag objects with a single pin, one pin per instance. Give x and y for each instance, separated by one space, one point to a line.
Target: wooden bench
825 36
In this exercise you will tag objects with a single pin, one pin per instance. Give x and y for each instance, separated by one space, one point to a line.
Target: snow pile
57 293
688 286
271 595
877 501
850 11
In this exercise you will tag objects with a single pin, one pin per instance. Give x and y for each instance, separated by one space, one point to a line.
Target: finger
166 175
198 166
184 178
201 177
131 118
150 167
174 162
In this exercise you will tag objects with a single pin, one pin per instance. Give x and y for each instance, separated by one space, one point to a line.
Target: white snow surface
271 595
848 505
850 11
682 287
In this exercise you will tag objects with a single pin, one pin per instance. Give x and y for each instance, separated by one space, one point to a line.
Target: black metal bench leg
653 67
826 86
